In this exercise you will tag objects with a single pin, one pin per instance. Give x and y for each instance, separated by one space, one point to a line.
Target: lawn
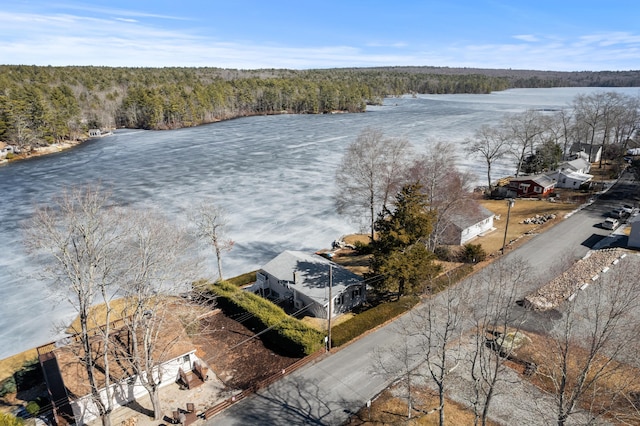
389 409
522 209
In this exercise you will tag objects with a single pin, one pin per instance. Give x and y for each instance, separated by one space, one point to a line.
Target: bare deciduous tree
430 348
96 252
370 174
497 330
523 132
398 363
595 115
562 130
446 187
211 222
586 364
490 143
438 327
159 267
79 243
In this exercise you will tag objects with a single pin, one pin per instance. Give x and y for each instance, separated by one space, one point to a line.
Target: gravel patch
579 276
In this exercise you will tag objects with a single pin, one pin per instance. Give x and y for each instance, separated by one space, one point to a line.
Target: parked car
618 213
627 208
610 223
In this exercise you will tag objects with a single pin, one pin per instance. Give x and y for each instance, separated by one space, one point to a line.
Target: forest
45 105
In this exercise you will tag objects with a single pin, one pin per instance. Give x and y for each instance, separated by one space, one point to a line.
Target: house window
356 292
339 300
524 187
186 363
537 189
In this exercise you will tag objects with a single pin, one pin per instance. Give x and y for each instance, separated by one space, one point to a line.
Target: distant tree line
44 105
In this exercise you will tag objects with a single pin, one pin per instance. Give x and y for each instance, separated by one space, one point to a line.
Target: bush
369 319
472 253
8 386
33 408
363 248
444 253
283 331
29 375
244 279
7 419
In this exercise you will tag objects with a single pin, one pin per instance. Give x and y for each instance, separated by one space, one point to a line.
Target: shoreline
62 146
44 150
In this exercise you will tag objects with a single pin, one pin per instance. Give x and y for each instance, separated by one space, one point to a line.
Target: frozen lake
272 174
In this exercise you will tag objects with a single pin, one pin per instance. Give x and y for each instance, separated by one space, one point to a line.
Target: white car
610 223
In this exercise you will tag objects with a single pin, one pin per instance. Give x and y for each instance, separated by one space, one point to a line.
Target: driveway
328 391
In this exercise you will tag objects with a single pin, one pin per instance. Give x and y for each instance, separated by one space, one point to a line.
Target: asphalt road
328 391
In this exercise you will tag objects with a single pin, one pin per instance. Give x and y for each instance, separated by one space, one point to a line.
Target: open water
274 175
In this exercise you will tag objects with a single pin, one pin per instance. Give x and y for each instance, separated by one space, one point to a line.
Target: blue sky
564 35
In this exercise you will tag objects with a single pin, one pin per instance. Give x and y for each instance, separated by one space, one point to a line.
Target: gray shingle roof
542 180
575 165
469 214
313 274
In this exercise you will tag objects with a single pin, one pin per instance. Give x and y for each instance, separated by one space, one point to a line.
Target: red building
531 186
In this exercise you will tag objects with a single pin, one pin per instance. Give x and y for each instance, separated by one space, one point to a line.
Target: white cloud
398 45
610 39
71 39
106 11
526 37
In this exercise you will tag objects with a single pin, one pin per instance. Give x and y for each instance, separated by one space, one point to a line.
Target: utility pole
329 310
510 204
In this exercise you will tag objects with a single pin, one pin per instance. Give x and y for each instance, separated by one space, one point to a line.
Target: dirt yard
238 358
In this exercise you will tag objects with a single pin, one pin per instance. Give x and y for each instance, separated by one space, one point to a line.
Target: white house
568 179
305 280
468 221
572 174
124 392
580 165
68 385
